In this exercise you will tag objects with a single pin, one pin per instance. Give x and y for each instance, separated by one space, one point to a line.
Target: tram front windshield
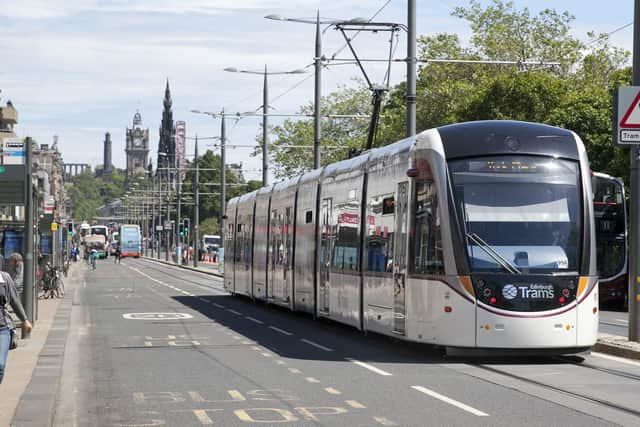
519 213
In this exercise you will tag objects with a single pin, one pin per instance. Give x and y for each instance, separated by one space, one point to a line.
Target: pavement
34 368
206 358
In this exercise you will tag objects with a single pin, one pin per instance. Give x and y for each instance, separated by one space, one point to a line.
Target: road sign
13 151
54 226
627 115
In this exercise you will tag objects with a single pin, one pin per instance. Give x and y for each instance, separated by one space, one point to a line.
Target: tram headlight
486 292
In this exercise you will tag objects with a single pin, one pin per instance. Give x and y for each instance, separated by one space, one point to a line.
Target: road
156 345
614 322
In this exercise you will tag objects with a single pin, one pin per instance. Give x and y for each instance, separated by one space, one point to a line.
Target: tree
502 32
88 192
290 149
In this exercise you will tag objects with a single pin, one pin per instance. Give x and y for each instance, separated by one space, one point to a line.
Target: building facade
137 148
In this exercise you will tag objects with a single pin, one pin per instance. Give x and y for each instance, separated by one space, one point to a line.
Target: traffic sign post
629 119
626 106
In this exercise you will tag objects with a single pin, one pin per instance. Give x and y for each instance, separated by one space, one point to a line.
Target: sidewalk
25 367
617 346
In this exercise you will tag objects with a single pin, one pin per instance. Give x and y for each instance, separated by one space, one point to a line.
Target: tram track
581 396
585 365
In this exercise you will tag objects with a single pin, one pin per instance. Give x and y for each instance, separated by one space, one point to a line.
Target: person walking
118 255
9 295
16 271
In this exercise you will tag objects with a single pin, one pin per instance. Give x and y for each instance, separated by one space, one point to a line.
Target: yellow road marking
355 404
202 416
284 415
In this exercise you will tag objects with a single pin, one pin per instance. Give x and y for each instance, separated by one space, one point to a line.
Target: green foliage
209 178
209 226
502 32
88 193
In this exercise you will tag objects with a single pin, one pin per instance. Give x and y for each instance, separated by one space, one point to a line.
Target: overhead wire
601 36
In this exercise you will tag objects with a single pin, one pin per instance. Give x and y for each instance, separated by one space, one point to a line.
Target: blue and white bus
130 241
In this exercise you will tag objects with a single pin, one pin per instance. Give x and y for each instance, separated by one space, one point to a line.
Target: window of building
309 217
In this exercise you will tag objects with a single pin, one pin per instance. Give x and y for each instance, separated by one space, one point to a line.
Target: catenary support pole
196 208
317 96
223 176
634 231
28 267
411 68
265 123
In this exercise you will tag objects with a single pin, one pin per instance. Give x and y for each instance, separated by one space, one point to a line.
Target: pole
196 209
153 215
265 111
316 96
166 232
634 232
411 68
29 263
223 177
178 213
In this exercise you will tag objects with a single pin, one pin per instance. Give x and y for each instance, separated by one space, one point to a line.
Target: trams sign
528 291
627 115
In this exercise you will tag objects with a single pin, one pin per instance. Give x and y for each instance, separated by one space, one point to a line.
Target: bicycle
52 284
93 261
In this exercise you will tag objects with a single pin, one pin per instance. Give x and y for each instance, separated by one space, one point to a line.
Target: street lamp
265 108
223 166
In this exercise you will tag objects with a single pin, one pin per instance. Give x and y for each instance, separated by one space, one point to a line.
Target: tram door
325 255
400 259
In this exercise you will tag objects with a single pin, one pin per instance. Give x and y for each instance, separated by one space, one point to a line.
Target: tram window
239 229
426 241
388 206
345 250
309 217
379 253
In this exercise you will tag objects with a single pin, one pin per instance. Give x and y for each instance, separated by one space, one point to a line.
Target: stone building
49 176
137 148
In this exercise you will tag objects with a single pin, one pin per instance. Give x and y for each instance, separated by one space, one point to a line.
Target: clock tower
137 147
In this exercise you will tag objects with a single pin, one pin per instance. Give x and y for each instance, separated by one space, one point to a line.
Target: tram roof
507 137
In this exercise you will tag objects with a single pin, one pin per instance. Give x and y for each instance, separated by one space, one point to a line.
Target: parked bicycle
51 282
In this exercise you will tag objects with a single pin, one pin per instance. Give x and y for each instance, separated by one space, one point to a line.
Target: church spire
166 145
167 96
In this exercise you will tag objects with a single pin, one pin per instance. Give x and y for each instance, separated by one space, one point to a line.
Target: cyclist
93 256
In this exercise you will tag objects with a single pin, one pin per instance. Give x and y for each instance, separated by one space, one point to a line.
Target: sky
80 68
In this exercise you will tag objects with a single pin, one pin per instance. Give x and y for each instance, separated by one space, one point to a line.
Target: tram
609 207
475 235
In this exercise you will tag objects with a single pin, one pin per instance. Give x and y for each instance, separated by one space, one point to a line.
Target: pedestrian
9 295
118 255
1 262
16 271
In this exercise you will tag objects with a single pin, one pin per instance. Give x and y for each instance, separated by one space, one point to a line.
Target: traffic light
186 225
181 230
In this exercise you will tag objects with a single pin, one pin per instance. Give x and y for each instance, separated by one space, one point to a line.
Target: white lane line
312 380
355 404
282 331
215 304
315 344
369 367
234 311
266 354
384 421
254 320
450 401
332 390
280 362
615 358
203 299
295 371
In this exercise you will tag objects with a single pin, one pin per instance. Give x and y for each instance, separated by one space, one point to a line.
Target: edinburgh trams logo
528 291
509 291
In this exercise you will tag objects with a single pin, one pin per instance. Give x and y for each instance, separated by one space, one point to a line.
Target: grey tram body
335 242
